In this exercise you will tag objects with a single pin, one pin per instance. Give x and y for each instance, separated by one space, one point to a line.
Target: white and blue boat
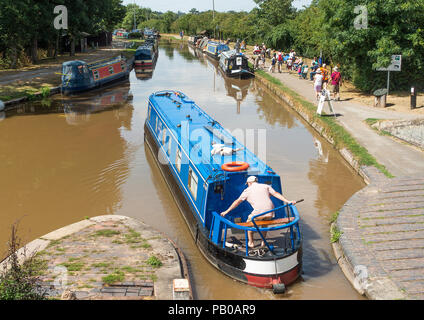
181 137
214 49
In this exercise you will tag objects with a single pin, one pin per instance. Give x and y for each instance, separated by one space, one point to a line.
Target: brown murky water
81 157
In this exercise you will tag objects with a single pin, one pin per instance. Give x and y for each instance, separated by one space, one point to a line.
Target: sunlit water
84 156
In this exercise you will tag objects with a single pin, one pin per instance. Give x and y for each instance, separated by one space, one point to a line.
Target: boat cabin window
96 74
123 65
111 71
192 182
178 160
239 61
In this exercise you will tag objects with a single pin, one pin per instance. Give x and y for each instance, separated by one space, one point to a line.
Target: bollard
181 289
413 98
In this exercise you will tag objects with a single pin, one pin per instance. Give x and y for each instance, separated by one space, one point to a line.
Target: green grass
335 234
340 136
154 262
372 121
101 265
117 276
334 217
106 233
73 266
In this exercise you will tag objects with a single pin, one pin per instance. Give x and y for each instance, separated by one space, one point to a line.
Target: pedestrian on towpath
279 60
318 83
259 197
336 82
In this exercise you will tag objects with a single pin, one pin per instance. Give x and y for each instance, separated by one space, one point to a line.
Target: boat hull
99 84
258 272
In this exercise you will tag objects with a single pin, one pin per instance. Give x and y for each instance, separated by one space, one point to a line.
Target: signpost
395 65
325 96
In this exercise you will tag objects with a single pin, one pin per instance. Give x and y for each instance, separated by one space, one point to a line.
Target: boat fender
235 166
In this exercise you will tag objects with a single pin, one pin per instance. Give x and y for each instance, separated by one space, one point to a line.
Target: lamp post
135 26
213 18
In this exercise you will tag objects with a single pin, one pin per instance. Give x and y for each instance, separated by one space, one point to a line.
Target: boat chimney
237 46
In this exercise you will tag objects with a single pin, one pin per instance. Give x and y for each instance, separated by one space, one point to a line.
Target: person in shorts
336 82
259 197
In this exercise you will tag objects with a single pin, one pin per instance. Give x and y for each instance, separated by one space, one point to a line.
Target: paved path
381 247
383 237
107 257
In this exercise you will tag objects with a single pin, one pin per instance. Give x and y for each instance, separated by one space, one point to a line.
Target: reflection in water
272 111
61 163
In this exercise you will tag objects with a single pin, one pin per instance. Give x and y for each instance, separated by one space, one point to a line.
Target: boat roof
218 44
185 118
147 46
231 53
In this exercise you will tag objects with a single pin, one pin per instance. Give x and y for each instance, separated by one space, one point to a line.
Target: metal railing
220 223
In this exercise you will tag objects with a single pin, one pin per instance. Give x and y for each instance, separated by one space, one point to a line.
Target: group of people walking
318 72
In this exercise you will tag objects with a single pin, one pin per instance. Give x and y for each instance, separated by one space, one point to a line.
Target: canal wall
109 258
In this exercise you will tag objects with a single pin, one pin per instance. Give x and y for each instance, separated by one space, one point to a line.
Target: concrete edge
10 103
374 288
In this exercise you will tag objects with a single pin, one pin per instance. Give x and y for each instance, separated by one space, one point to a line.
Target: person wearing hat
259 197
318 78
336 82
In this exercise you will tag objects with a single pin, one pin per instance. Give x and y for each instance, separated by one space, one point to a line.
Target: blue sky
203 5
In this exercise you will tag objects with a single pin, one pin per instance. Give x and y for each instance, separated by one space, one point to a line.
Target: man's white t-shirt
258 195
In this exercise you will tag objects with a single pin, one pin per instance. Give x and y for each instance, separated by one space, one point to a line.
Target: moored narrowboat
214 49
202 44
145 58
78 76
235 65
182 138
192 40
153 41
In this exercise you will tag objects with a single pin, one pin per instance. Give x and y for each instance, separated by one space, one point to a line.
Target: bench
264 223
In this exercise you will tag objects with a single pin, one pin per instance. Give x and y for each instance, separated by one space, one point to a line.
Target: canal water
69 158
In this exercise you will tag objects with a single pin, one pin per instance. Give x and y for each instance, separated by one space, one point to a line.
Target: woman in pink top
258 195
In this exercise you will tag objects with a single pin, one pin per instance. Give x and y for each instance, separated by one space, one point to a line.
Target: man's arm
234 205
280 196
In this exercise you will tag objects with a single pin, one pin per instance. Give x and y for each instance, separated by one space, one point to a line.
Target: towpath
381 228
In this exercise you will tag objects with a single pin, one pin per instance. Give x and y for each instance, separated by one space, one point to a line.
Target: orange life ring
235 166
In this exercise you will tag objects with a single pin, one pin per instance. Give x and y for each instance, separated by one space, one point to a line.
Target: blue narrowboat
214 49
182 137
235 64
78 76
145 58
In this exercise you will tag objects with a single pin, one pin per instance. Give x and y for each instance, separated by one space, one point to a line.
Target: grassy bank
338 135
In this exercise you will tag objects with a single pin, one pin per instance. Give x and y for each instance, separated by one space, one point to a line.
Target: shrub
19 282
